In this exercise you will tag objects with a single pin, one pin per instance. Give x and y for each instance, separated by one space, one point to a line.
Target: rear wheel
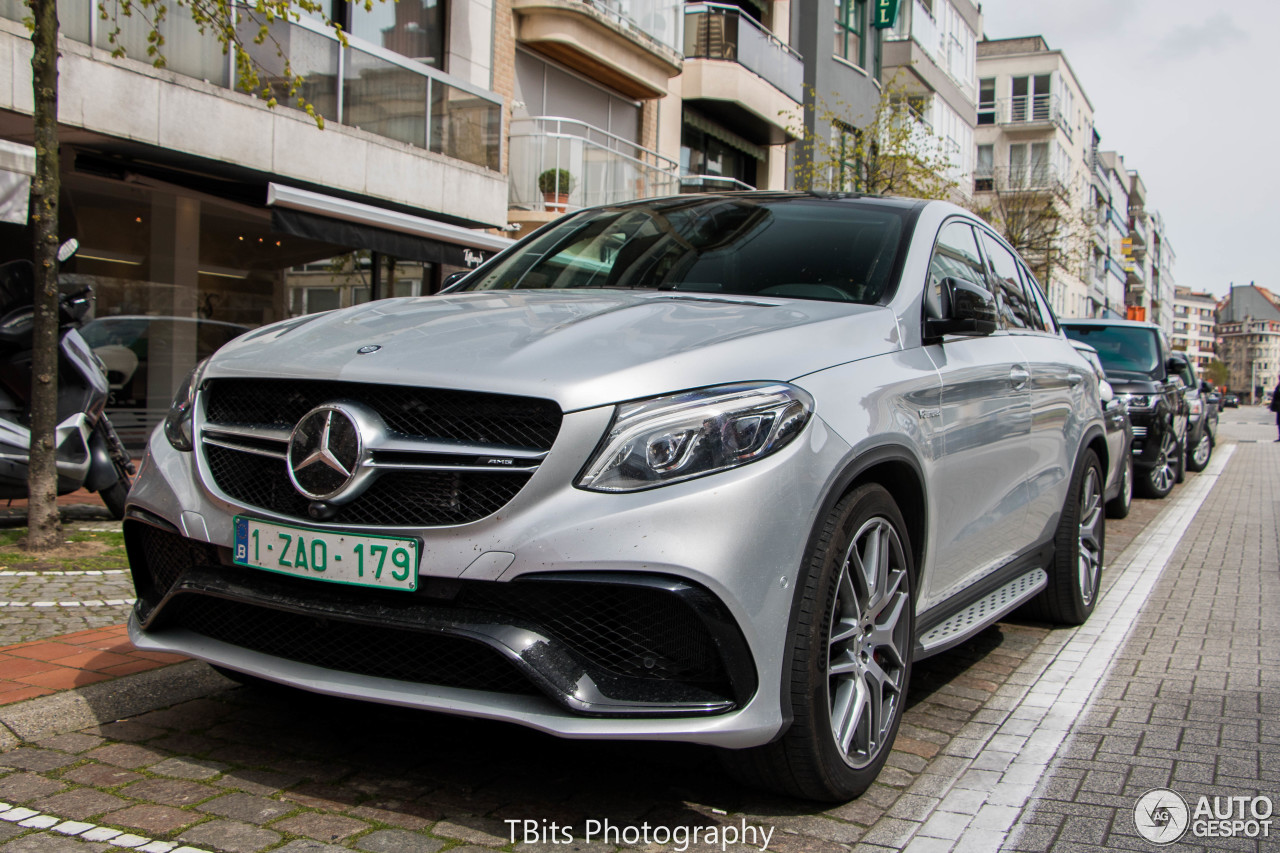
1118 507
1198 458
851 661
1157 481
1075 574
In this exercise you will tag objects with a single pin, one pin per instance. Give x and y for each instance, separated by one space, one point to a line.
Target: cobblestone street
1024 738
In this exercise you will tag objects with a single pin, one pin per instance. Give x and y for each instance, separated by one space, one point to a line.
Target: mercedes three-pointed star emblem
324 452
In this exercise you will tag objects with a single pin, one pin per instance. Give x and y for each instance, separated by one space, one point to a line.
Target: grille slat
421 412
396 498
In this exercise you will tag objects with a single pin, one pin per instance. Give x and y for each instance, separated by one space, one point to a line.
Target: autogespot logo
1161 816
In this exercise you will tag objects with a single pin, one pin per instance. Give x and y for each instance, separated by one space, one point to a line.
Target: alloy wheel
1089 554
1166 469
869 644
1201 453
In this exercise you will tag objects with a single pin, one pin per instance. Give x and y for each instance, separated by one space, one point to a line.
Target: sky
1182 90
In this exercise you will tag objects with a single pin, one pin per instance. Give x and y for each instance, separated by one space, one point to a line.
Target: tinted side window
1006 279
1041 315
955 255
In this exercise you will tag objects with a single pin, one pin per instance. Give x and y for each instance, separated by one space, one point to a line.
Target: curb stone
106 701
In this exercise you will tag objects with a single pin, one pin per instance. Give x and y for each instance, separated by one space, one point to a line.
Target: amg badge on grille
324 453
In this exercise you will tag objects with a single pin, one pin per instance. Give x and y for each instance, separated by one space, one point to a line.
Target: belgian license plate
386 562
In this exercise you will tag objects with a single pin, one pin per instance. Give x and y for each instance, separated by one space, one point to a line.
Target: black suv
1137 359
1202 428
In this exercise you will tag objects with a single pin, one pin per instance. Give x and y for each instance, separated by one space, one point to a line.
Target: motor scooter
89 453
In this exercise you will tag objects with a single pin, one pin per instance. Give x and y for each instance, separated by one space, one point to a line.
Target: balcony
1032 112
1138 233
916 41
359 85
1135 275
631 45
747 77
559 164
1038 176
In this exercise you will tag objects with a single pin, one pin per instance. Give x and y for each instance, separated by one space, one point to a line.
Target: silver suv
714 469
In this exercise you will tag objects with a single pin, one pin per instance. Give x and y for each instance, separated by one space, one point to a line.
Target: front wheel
851 657
1198 458
114 497
1075 575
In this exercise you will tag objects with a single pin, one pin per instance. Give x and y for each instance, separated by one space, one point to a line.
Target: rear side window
955 255
1014 308
1041 315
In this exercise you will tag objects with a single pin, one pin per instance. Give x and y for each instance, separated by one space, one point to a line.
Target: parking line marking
995 782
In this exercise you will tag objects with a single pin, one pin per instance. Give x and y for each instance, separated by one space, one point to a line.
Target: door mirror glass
966 309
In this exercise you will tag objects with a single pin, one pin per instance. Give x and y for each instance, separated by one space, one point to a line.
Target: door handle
1018 376
1074 379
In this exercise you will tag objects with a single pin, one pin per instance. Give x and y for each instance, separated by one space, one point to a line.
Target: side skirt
950 624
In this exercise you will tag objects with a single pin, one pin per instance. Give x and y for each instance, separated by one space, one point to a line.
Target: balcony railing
657 19
1029 110
361 85
715 31
1138 232
583 165
1034 177
711 184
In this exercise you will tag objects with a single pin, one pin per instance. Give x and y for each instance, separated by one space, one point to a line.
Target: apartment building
1163 285
930 55
1035 141
1248 340
1109 230
1194 327
193 199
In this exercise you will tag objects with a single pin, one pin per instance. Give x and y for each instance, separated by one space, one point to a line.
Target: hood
580 349
1133 383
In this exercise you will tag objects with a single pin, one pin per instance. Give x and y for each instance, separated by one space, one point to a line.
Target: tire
114 496
1158 480
1182 457
1119 506
861 678
1198 457
1079 545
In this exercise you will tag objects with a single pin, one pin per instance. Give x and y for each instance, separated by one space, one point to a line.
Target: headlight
669 439
1138 401
177 424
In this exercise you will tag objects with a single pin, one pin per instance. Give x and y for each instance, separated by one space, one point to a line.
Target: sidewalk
1193 700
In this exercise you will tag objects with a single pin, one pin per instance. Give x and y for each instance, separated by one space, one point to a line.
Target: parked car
1202 427
1136 357
712 469
1230 401
1119 491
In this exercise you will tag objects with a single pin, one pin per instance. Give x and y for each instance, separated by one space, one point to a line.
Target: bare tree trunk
42 483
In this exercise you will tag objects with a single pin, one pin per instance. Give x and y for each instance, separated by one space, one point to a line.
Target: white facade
1194 329
1035 131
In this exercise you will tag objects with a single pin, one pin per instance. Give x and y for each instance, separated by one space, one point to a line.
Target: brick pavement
1193 702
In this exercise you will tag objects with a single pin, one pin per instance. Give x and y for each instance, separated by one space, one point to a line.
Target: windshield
1122 349
799 248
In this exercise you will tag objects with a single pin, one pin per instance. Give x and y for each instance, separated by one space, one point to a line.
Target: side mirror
1173 365
452 279
1106 392
965 309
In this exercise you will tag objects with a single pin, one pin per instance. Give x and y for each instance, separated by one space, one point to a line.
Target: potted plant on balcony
555 186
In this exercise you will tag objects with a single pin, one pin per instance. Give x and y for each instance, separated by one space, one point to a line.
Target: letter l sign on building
886 14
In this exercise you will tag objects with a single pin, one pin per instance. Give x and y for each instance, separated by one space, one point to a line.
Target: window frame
843 30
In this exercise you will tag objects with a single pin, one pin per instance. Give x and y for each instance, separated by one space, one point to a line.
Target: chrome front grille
431 458
1139 432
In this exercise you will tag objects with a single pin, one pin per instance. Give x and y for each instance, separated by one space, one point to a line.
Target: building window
412 28
984 174
1030 98
851 16
987 101
849 163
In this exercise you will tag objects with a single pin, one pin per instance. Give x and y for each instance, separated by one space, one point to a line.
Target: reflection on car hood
1129 383
579 348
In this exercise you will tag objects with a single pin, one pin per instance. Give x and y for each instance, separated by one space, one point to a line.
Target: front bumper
714 557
